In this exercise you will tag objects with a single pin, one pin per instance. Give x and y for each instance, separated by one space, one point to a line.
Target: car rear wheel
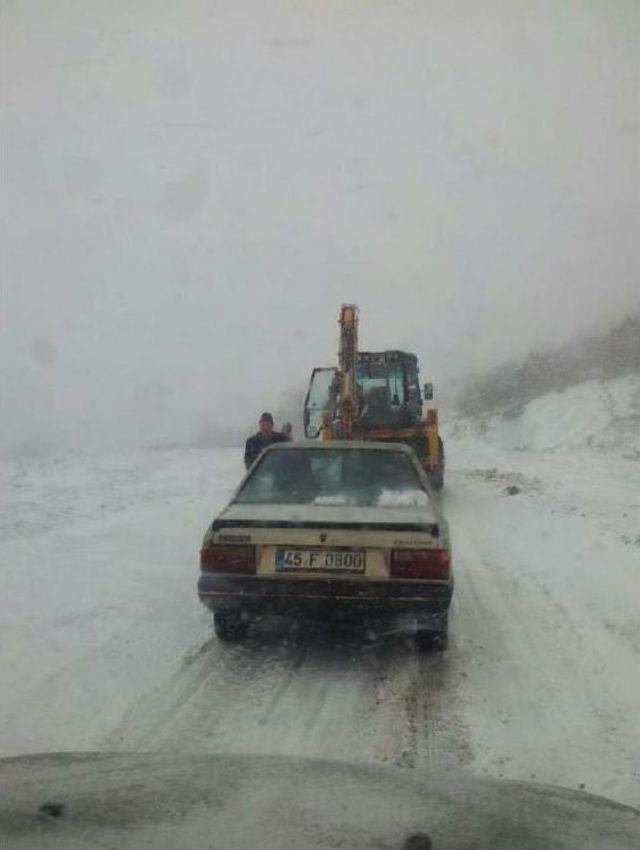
431 641
230 627
432 632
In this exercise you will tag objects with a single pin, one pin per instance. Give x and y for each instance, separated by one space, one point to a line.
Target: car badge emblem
323 537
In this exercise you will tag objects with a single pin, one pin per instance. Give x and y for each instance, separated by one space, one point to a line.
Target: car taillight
228 559
420 563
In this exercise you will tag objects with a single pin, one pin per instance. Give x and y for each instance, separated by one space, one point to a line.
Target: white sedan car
323 528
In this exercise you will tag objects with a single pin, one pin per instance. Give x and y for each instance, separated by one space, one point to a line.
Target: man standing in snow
265 437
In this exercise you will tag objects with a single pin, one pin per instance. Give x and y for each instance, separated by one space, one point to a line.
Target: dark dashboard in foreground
123 801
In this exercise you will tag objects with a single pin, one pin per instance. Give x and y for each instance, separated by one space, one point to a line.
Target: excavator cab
389 394
387 390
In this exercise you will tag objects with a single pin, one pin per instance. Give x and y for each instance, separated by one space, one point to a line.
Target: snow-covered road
105 645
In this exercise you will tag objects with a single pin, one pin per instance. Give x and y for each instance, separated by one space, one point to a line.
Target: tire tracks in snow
148 720
319 694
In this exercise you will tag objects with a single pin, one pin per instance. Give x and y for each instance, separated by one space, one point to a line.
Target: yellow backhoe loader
374 396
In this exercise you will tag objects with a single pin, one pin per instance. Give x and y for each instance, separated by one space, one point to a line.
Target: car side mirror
428 392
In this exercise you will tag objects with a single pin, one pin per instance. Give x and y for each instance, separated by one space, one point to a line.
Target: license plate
320 560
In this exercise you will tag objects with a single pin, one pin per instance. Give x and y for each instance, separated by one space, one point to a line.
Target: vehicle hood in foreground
167 801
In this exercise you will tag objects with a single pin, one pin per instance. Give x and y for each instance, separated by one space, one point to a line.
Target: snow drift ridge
595 414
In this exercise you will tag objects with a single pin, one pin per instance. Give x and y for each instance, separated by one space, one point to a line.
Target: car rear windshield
334 477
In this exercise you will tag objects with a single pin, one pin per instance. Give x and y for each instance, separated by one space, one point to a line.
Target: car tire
230 627
432 632
431 641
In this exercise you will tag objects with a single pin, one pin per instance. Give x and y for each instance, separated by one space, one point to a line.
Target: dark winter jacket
258 442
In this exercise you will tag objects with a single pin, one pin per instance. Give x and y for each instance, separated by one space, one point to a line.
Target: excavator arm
347 400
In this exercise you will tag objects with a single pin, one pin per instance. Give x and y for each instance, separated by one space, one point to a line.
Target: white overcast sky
190 190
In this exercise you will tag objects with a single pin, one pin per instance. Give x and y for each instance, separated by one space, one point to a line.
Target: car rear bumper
309 596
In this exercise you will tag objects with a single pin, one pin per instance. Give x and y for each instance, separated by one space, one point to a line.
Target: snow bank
598 415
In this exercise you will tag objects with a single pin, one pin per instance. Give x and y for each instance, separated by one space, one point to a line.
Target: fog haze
190 190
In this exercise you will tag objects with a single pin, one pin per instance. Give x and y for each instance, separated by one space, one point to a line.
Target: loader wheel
436 476
230 627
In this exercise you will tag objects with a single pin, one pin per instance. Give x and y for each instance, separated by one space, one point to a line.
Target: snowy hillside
595 415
